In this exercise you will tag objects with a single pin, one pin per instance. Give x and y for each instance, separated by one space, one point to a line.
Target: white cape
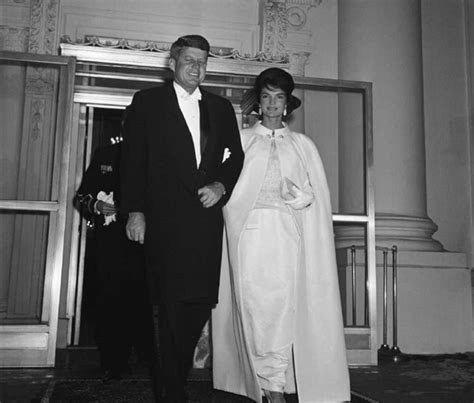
319 349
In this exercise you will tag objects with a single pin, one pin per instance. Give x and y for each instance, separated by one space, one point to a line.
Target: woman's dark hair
275 77
188 41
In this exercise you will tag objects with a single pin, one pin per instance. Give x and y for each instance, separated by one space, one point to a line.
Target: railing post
354 285
384 348
366 292
395 349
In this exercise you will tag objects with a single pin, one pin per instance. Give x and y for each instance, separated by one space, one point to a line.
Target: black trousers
178 326
123 309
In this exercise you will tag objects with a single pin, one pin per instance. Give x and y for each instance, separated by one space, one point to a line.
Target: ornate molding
406 232
39 80
281 19
14 38
296 18
43 20
307 3
36 118
275 28
164 47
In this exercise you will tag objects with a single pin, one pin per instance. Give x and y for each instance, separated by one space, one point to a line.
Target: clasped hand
209 195
303 198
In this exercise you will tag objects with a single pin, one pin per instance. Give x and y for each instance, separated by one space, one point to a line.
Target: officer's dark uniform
123 313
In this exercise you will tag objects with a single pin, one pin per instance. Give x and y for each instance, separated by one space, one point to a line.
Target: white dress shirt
189 105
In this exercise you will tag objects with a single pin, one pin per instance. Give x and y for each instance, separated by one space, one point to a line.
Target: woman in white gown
278 325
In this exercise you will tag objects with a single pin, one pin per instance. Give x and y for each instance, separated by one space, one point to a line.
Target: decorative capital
298 62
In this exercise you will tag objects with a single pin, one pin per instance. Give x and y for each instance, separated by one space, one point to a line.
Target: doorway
103 128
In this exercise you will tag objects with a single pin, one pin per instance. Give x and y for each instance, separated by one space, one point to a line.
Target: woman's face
272 102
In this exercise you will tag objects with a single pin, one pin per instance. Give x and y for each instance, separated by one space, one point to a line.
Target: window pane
352 266
23 246
28 102
334 121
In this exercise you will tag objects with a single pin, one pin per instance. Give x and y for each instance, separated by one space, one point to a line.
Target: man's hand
135 227
211 194
303 198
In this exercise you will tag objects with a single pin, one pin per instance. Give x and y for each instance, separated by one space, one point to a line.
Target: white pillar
380 41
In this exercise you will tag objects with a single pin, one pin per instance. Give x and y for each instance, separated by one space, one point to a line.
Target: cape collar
264 131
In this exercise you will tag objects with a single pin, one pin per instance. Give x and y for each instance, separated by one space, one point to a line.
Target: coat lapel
205 126
208 137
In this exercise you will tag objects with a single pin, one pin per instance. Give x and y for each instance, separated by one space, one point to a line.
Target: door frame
34 345
83 115
240 73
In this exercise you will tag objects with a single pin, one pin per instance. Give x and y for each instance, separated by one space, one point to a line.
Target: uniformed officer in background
123 312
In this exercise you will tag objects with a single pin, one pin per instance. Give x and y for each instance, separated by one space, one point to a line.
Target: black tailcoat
183 240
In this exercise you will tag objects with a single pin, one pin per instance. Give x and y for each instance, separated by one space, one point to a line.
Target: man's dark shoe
112 375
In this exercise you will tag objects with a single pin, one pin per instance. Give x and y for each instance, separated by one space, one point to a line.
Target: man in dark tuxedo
122 309
181 158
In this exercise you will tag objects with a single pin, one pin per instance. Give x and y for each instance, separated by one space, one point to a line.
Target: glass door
36 94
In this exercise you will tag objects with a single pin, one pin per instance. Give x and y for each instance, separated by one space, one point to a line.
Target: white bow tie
196 95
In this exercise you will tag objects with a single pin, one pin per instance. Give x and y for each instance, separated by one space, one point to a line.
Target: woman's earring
259 110
284 111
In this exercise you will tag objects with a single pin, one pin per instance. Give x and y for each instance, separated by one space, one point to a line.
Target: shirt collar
183 94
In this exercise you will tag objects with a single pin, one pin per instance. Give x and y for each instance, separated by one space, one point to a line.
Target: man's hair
188 41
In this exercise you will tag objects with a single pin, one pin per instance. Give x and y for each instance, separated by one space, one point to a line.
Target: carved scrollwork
35 26
307 3
296 18
39 80
218 52
36 118
52 8
43 19
275 29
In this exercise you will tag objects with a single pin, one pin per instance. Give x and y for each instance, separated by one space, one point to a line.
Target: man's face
190 68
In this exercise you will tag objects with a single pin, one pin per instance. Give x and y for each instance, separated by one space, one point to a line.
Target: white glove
107 198
303 198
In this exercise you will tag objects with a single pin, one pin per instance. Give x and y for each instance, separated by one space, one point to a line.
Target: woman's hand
303 198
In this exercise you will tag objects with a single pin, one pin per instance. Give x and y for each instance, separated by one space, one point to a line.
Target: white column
380 41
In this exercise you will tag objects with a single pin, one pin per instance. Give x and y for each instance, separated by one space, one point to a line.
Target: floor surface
76 378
